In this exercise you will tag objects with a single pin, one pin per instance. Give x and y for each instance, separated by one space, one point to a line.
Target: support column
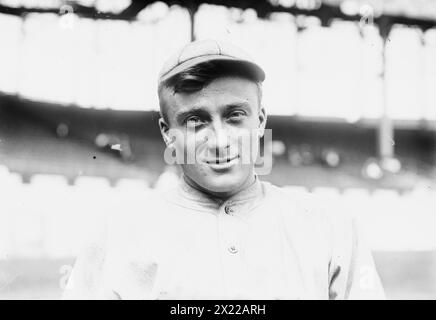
385 134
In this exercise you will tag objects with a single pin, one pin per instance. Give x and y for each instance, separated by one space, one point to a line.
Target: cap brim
252 67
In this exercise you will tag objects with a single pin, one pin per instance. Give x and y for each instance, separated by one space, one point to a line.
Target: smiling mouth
222 161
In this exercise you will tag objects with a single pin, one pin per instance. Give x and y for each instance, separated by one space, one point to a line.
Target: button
228 209
233 249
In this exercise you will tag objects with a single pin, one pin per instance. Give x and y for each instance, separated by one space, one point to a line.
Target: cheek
248 140
253 120
180 147
185 142
196 171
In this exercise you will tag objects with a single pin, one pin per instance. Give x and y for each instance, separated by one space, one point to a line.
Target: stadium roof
384 13
46 60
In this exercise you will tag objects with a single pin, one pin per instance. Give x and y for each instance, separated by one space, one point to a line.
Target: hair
199 76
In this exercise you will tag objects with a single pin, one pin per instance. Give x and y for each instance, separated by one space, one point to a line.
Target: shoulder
319 217
296 203
307 204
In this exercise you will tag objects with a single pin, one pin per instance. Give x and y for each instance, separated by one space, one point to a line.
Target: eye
236 115
193 121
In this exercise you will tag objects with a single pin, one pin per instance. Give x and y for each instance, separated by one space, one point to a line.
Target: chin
222 186
218 181
223 182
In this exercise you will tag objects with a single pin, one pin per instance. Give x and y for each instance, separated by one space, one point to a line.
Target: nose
218 139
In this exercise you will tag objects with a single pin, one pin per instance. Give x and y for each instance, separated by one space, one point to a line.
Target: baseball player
222 233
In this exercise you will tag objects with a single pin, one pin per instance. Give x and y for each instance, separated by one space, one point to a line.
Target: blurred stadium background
350 92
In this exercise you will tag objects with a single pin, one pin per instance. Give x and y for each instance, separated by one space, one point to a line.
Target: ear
164 129
262 121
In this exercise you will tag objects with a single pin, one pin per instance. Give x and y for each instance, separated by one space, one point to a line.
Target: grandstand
78 120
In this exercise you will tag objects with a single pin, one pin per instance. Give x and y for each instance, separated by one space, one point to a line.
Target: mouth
222 163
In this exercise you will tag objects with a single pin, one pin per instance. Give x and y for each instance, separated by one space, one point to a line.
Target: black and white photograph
228 151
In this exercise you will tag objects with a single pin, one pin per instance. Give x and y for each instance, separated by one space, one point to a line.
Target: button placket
234 269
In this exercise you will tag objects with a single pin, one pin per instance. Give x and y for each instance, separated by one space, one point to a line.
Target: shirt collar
187 196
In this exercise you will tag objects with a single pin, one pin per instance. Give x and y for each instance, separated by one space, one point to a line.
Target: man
222 233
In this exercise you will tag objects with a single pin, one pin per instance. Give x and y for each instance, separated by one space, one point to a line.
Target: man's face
221 124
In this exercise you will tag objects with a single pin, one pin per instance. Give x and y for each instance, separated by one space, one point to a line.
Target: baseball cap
201 51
